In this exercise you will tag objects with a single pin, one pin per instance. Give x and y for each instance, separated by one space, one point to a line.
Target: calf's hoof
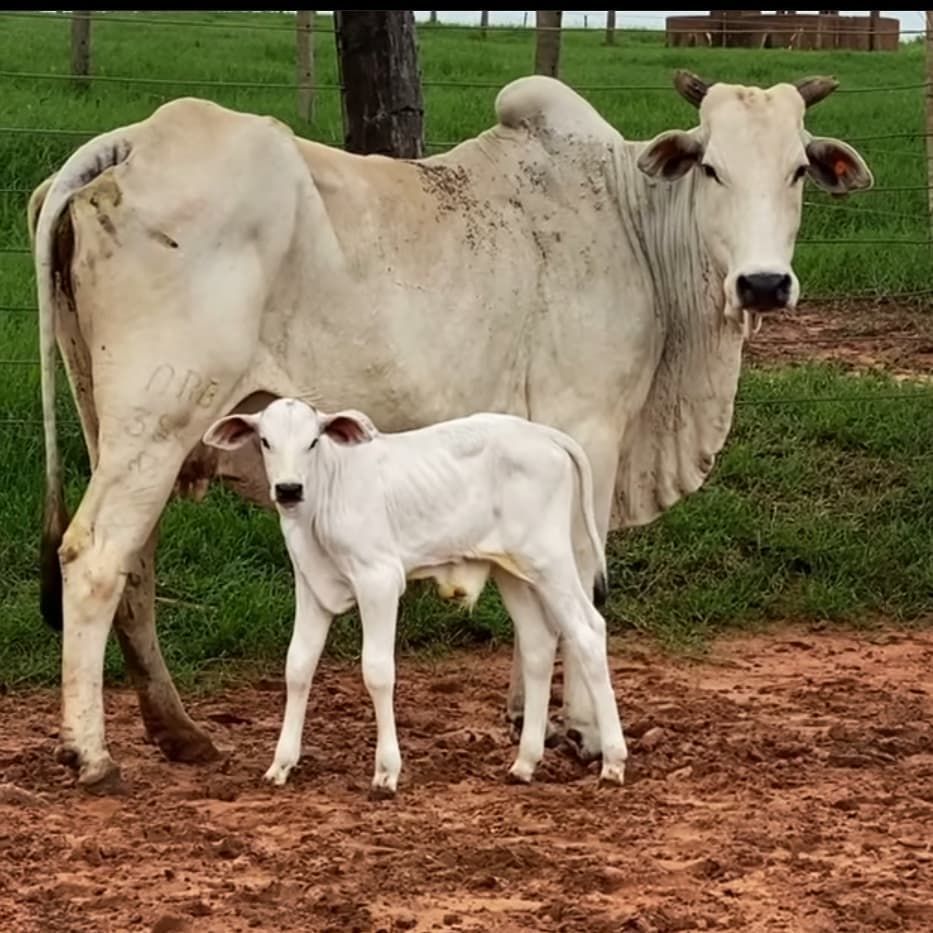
613 774
383 787
278 772
520 773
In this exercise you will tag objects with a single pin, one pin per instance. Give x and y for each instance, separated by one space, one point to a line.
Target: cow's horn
813 90
690 87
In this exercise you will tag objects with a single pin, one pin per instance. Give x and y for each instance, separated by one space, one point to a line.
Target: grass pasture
816 510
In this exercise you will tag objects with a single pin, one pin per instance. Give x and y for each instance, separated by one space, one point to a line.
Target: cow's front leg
312 623
167 724
378 606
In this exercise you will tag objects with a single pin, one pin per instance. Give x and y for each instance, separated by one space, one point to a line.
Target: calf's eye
311 445
265 443
710 172
801 171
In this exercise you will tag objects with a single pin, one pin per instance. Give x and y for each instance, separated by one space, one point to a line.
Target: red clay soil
784 783
858 335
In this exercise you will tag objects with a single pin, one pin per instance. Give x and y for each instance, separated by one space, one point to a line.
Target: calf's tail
587 501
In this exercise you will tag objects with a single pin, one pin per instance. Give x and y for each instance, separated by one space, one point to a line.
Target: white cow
363 512
204 261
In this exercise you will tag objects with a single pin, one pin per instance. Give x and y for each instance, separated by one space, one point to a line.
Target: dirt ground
888 336
785 783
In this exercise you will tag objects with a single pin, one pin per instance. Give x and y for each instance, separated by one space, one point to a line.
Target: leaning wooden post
304 37
547 44
483 23
610 27
81 46
929 121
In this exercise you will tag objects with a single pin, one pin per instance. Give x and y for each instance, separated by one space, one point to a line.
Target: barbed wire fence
306 89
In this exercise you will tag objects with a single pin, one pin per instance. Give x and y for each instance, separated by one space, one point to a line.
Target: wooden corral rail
785 29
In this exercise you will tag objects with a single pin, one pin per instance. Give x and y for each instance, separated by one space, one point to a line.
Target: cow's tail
44 212
587 501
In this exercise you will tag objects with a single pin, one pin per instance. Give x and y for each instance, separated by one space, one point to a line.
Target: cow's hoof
101 777
188 746
585 748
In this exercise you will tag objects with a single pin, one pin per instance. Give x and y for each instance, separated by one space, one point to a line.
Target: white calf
363 512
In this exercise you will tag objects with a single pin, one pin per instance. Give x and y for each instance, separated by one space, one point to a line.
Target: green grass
821 511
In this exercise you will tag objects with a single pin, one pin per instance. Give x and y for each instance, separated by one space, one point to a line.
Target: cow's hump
538 103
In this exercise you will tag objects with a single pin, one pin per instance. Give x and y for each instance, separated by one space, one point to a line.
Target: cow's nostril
764 291
288 492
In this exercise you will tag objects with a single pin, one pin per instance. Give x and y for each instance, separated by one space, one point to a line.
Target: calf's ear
670 155
836 167
348 427
231 432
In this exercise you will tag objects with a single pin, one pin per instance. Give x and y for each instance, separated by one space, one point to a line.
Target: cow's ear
670 155
836 167
348 427
231 432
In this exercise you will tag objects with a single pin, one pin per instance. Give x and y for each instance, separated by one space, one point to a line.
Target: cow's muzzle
764 291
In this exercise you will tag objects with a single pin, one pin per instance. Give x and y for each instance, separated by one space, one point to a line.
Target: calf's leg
584 632
536 645
579 717
312 623
378 606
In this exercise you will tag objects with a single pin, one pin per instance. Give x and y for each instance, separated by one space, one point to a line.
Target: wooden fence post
611 27
377 60
929 121
483 23
547 42
432 17
304 37
81 46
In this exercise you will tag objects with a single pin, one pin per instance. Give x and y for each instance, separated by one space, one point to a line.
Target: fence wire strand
532 27
428 83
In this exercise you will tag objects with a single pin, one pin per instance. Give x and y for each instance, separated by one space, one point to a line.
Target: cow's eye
710 172
265 443
801 171
311 445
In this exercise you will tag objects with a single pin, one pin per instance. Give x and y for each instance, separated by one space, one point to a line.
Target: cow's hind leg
163 714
